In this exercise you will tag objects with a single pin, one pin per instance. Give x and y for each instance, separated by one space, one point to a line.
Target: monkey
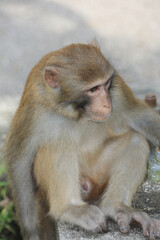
78 145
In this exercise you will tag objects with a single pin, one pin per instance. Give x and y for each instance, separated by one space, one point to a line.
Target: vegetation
9 229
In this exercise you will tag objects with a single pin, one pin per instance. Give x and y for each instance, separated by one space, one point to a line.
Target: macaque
78 146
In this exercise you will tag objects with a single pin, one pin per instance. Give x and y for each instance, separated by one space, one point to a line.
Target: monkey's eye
94 89
109 81
107 84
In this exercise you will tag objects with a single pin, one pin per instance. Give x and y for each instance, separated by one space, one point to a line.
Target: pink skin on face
100 106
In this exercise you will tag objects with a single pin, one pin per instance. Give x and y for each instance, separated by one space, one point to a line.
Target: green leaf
10 229
3 192
3 184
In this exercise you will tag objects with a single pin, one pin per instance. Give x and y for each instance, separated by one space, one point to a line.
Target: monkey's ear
94 43
49 73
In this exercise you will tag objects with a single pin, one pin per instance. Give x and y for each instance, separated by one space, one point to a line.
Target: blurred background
128 32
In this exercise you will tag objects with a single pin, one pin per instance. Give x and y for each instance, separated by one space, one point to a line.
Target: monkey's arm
57 174
24 195
144 120
19 152
136 113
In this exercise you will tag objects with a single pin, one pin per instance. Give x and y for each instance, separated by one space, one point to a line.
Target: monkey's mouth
98 117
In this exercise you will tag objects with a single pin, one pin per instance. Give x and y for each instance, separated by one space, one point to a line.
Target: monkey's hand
150 226
89 217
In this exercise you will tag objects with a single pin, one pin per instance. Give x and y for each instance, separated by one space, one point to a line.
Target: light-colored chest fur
85 134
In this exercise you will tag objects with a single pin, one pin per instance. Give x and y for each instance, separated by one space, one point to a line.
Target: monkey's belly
91 191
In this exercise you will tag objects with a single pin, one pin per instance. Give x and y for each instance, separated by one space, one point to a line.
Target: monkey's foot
89 217
150 226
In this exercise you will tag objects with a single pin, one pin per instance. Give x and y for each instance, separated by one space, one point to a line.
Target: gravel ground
73 233
127 31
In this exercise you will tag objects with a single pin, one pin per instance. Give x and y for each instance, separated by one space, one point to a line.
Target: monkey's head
79 77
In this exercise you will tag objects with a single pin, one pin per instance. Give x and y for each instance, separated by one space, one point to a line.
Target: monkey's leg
48 226
58 174
127 173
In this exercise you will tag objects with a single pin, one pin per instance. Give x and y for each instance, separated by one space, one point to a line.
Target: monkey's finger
157 226
145 229
151 227
149 230
100 227
152 231
123 225
103 226
123 221
100 219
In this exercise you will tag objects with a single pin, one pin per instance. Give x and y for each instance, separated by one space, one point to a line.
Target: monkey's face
80 78
91 101
99 107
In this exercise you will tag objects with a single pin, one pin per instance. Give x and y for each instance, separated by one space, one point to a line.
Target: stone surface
148 197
